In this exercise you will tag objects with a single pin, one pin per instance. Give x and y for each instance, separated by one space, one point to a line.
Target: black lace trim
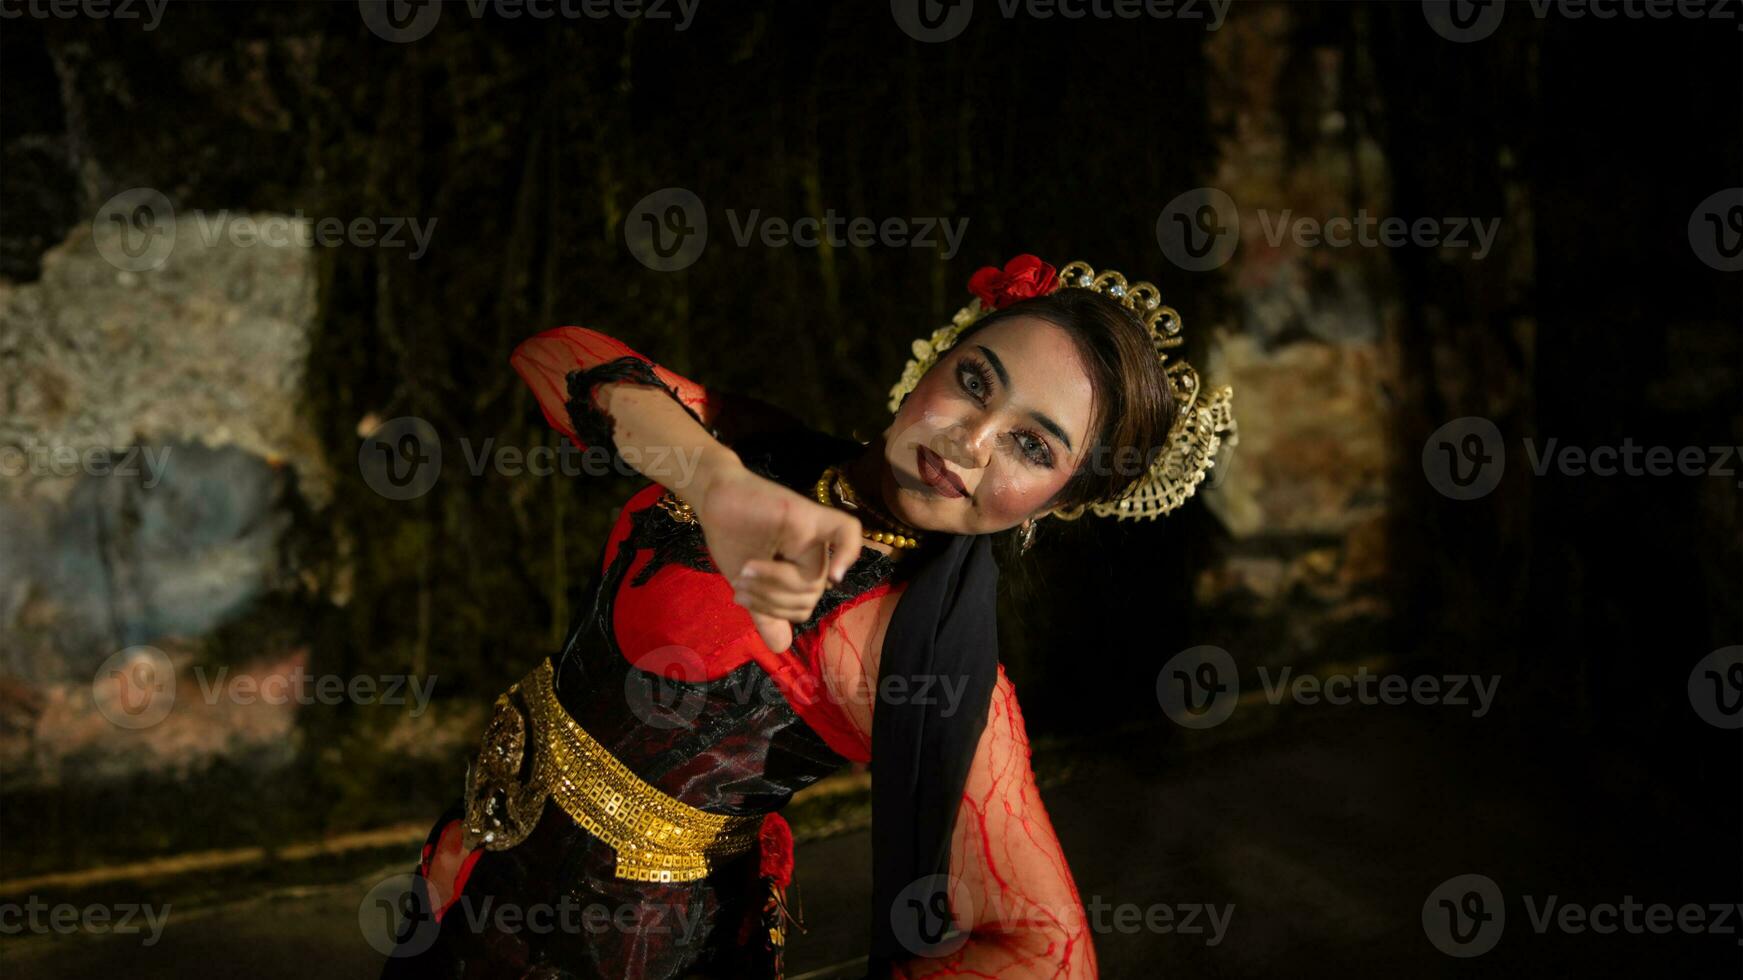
593 426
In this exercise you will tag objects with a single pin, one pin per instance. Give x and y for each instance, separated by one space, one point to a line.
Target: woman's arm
560 363
1026 919
600 393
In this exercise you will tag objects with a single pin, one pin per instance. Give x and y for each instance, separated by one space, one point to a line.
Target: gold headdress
1199 427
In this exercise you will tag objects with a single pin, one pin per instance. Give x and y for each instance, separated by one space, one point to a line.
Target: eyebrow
1005 379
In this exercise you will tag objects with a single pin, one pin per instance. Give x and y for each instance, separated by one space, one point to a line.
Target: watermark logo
396 917
1465 915
402 458
1183 919
659 699
151 11
932 915
667 230
1464 21
400 21
135 688
34 915
1716 230
145 463
1716 688
1464 459
405 21
932 21
135 231
1199 229
1367 688
1199 687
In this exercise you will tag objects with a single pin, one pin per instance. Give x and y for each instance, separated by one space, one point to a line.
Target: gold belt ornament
656 837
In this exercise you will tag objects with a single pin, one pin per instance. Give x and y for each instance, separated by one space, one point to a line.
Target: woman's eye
1034 448
971 380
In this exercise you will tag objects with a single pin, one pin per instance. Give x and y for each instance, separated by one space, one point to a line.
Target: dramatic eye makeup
976 379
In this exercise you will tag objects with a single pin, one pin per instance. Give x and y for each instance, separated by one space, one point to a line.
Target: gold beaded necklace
891 532
830 486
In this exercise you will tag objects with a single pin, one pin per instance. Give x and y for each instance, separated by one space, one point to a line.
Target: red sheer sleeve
563 362
548 362
1026 919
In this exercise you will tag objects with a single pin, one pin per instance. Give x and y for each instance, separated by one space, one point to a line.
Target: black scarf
942 639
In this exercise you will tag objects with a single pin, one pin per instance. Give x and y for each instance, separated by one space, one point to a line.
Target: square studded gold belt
656 837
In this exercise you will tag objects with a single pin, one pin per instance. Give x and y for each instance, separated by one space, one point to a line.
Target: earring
1028 536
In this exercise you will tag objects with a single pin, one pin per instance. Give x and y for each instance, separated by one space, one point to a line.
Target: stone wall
151 450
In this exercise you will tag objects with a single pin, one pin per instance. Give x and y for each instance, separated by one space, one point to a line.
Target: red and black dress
671 677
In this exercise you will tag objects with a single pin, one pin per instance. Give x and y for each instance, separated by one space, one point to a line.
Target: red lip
939 478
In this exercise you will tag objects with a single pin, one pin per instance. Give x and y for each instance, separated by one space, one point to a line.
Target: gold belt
656 837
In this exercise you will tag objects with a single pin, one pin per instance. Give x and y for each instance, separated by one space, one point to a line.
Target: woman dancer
756 602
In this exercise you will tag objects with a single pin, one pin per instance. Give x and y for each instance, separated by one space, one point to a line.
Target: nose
968 442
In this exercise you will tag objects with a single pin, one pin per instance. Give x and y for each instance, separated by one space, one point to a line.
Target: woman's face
991 432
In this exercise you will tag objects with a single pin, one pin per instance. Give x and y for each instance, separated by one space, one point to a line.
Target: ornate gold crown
1205 420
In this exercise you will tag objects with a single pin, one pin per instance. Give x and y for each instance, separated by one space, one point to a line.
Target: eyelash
1040 456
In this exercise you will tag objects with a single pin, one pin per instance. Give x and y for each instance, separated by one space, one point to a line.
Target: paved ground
1326 837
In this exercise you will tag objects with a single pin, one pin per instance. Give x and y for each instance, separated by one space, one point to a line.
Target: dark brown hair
1134 409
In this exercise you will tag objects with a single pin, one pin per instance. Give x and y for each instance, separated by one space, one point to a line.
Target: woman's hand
778 549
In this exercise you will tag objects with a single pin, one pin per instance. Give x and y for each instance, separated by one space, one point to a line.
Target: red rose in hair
1024 277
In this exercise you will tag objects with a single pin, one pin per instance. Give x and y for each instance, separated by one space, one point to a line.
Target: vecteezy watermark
1200 688
670 462
402 459
405 21
1200 229
135 230
1465 21
33 915
151 11
1180 918
41 459
136 688
1716 687
397 917
298 686
1716 229
1455 690
933 21
932 916
1464 459
1367 231
666 690
668 229
1465 915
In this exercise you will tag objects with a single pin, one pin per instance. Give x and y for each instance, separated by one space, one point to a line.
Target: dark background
1593 320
